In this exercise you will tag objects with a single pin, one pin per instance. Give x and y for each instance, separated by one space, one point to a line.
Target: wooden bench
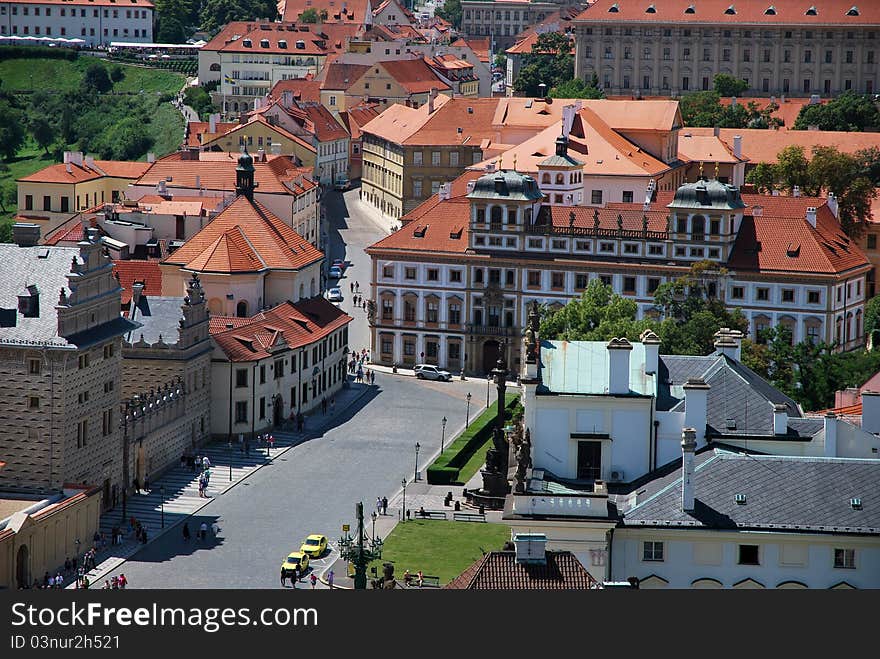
428 581
469 517
430 514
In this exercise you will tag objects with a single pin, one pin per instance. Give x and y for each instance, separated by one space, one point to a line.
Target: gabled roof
324 124
303 89
81 173
414 75
196 131
147 272
355 10
499 570
268 37
479 46
353 118
704 148
339 76
245 237
292 324
259 120
784 12
783 494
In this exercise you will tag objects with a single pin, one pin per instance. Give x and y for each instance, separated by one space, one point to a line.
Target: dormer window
264 43
853 11
651 9
730 10
770 11
282 44
247 43
812 11
690 10
613 9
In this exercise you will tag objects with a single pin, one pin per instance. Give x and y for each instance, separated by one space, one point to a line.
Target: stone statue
523 462
644 224
571 221
534 323
596 219
619 222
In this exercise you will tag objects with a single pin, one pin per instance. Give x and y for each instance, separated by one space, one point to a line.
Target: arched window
560 179
497 214
241 309
545 178
698 226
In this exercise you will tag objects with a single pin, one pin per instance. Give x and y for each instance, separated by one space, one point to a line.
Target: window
808 56
652 551
494 276
788 295
653 285
559 244
747 55
108 351
534 279
241 414
738 293
725 55
262 374
655 250
82 433
433 311
83 361
582 245
536 243
29 202
455 276
417 157
845 558
581 280
455 313
409 311
763 294
278 371
630 248
387 309
435 158
388 271
241 378
453 159
557 280
33 402
748 555
813 297
34 366
433 274
596 197
417 188
627 196
605 279
606 247
629 285
714 227
409 273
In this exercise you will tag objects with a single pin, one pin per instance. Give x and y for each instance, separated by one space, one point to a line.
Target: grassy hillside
141 89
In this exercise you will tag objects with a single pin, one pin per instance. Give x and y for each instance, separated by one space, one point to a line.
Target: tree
8 197
217 13
117 74
500 61
310 15
704 109
576 88
872 315
450 11
550 63
848 112
763 177
6 232
831 170
11 130
870 162
96 78
728 85
793 170
598 314
171 30
42 131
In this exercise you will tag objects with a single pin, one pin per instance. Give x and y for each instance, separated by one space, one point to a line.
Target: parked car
295 559
314 546
334 294
335 272
431 372
339 263
342 182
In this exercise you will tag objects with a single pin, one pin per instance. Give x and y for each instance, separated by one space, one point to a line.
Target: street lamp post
162 494
416 469
467 418
403 510
373 517
443 433
488 382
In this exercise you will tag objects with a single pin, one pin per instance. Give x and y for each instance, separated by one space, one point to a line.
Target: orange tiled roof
303 89
355 117
293 324
704 148
216 171
414 75
81 173
339 76
196 130
499 570
324 124
245 237
268 37
355 10
524 46
258 119
71 231
787 12
479 46
787 111
128 272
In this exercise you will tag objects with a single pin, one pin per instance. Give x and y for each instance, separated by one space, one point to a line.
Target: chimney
212 123
161 188
716 131
782 99
444 191
470 186
431 97
137 289
773 99
530 548
26 234
649 195
811 216
832 203
618 365
68 168
796 191
733 101
261 155
815 99
151 157
287 98
738 146
198 182
568 112
688 446
728 342
696 403
831 434
871 411
542 90
90 162
780 419
652 350
76 157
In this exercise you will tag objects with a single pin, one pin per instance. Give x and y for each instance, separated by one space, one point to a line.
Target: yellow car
295 559
314 546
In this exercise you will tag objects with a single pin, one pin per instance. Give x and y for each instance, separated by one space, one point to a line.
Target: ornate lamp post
488 382
354 551
403 510
443 433
162 494
373 517
416 470
467 418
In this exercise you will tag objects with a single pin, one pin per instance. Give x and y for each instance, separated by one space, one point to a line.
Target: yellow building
408 82
53 194
37 534
260 134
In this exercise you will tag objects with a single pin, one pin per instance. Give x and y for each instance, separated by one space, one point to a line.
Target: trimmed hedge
37 52
446 468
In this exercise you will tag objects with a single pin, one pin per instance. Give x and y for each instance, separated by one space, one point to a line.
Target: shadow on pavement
173 543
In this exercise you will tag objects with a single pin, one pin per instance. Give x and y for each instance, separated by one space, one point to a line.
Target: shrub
37 52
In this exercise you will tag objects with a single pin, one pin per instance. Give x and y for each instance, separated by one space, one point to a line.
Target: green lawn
29 160
60 75
435 547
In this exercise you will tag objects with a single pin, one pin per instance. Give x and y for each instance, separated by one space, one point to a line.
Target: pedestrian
332 405
241 442
206 463
365 305
323 406
378 505
144 536
50 582
203 531
330 579
123 582
186 532
357 286
294 579
271 442
283 576
201 487
66 566
215 529
372 377
59 580
313 579
384 505
106 585
85 582
352 286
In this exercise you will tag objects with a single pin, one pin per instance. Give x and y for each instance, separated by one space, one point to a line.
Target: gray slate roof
706 195
506 185
159 316
792 494
45 267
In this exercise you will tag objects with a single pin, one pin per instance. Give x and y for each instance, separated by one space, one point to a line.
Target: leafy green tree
42 131
704 109
728 85
310 15
598 314
870 161
848 112
216 13
500 61
96 78
12 133
550 63
171 30
872 314
8 198
793 169
831 170
763 177
6 232
117 74
576 88
450 11
199 100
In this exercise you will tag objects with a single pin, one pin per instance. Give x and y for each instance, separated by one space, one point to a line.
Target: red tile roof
245 237
479 46
355 10
148 272
195 130
71 231
787 12
499 570
324 124
81 173
140 4
355 117
303 89
259 120
292 324
339 76
268 37
414 75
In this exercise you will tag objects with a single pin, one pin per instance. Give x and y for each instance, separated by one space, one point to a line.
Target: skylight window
730 10
613 9
651 9
690 10
853 11
770 11
812 11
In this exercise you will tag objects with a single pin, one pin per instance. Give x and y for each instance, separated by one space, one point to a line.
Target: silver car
430 372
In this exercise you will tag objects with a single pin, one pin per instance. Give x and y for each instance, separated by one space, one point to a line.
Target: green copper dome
707 195
508 185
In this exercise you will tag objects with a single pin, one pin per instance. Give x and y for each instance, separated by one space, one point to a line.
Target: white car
334 294
430 372
335 272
